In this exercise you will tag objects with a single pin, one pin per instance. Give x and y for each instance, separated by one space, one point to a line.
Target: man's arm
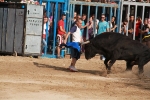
67 37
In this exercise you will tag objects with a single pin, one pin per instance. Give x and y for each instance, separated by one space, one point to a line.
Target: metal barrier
136 9
54 8
20 28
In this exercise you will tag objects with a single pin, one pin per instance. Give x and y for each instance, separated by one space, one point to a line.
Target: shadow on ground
94 72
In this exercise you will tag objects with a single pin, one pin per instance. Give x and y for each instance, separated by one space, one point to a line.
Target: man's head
63 17
79 22
145 21
125 22
103 17
45 19
131 17
75 14
83 17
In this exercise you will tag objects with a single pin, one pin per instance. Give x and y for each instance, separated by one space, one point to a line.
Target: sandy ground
24 78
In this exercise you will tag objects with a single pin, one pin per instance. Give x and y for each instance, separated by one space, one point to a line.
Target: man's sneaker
72 68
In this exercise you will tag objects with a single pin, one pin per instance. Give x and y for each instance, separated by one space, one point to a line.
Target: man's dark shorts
75 53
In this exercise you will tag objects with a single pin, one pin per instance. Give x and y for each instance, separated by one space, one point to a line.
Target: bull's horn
85 42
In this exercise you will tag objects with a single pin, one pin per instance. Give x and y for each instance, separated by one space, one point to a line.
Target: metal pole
110 17
135 22
95 20
115 11
40 2
128 19
48 9
81 7
87 35
103 10
70 23
55 27
119 15
142 23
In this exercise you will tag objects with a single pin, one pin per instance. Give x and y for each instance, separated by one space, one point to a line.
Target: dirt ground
24 78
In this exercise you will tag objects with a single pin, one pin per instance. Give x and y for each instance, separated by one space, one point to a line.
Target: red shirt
138 24
60 23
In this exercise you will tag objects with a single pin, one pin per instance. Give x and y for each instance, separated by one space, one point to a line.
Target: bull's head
89 50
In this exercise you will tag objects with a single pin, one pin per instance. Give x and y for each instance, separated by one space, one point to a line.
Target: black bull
115 46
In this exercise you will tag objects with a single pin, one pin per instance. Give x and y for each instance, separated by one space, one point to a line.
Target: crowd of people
142 30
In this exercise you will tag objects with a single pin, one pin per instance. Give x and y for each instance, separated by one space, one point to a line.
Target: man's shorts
60 39
75 53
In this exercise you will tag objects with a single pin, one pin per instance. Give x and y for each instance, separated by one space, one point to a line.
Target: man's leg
75 56
73 62
72 65
59 40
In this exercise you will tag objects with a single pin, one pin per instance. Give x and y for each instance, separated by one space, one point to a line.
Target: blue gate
53 8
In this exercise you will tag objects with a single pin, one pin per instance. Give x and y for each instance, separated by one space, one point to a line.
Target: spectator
90 28
145 29
75 16
138 27
77 38
124 27
131 26
112 24
44 32
95 23
61 33
83 28
103 26
146 33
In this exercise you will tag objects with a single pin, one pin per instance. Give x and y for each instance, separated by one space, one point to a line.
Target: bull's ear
83 43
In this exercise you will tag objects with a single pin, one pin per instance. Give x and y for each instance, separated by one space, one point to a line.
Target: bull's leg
106 63
109 66
129 65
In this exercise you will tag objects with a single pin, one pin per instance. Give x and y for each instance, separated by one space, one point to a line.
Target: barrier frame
48 8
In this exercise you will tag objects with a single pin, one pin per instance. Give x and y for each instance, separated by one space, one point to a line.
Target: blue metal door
54 8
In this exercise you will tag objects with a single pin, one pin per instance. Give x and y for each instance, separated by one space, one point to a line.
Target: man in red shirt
61 33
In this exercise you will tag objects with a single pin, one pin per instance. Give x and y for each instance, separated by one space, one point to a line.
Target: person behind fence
76 40
131 26
44 32
124 27
90 28
137 29
112 24
83 28
146 32
61 33
103 26
95 23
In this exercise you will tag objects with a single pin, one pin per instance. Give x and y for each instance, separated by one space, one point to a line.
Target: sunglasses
102 17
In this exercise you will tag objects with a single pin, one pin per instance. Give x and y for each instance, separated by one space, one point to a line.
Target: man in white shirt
77 38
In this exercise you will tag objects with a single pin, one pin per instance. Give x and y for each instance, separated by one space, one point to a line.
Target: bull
115 46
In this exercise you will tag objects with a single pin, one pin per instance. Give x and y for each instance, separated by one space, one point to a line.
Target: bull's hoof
142 76
108 71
